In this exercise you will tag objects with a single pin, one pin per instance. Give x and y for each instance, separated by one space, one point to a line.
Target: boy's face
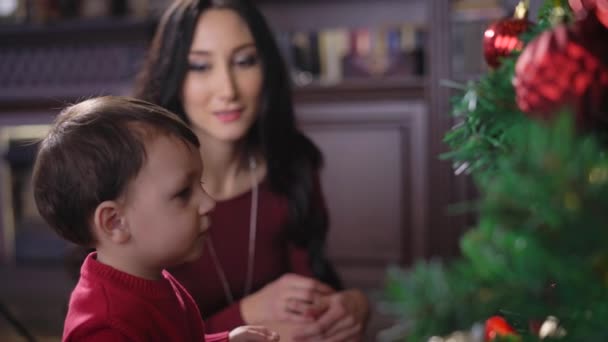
165 207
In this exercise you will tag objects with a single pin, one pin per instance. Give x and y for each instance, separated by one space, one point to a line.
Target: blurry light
458 336
551 328
7 7
598 175
512 42
520 244
572 201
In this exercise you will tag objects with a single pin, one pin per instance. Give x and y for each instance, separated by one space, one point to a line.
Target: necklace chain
253 219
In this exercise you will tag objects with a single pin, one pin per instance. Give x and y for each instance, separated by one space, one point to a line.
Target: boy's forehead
174 146
146 130
147 133
168 161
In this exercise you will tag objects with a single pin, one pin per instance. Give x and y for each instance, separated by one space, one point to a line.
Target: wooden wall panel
374 183
363 181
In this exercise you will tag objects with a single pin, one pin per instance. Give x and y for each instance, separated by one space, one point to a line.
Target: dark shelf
389 88
108 28
303 1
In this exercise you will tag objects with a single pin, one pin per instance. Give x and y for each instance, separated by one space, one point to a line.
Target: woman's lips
229 115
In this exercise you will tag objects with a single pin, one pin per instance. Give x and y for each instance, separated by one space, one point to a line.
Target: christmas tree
532 133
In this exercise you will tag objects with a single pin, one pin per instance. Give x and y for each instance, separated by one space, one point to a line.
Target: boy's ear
109 222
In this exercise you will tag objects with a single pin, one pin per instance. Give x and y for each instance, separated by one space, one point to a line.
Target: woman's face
221 90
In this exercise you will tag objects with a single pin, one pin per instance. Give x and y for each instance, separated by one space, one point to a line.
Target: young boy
123 176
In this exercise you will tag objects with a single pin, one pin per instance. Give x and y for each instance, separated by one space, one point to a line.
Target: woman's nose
226 84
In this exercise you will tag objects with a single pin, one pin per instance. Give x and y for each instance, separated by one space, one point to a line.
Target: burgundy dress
274 255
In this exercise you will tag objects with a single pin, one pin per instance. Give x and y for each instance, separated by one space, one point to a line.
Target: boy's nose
207 204
205 223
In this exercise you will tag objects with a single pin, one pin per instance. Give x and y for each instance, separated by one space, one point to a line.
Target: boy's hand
253 333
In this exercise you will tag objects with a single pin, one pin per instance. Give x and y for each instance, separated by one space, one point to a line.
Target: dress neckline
242 195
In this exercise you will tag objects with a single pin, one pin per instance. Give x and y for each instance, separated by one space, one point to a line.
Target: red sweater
274 255
110 305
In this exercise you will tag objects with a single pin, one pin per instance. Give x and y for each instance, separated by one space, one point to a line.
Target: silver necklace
253 219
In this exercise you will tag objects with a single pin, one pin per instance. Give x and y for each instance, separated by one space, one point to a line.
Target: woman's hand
290 298
252 333
344 320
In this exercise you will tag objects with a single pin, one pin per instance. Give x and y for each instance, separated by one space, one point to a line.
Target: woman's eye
247 61
198 66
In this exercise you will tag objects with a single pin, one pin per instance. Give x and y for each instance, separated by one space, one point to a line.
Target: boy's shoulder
98 303
106 298
91 312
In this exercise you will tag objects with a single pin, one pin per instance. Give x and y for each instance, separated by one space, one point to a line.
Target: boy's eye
185 193
198 66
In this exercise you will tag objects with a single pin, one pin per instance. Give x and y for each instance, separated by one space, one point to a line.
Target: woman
215 64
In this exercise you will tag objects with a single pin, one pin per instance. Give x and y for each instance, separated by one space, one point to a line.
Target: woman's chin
231 136
229 132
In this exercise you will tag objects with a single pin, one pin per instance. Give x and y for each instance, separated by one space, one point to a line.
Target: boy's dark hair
92 152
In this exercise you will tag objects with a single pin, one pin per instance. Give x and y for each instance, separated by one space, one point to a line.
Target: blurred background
367 77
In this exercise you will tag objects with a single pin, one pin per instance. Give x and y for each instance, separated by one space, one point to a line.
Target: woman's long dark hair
293 160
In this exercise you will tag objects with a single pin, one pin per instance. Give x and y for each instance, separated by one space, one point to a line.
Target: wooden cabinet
374 182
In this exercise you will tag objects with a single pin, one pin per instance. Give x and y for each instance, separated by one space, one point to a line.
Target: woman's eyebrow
236 49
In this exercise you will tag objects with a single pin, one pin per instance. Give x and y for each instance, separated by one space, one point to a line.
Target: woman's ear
110 224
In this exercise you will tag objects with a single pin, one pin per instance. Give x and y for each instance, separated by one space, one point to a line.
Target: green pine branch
541 245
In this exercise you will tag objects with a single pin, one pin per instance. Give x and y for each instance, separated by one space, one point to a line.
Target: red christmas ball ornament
562 67
501 38
497 326
597 8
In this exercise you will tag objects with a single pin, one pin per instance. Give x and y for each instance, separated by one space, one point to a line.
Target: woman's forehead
220 28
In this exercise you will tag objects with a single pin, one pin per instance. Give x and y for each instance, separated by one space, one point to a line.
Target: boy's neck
127 265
